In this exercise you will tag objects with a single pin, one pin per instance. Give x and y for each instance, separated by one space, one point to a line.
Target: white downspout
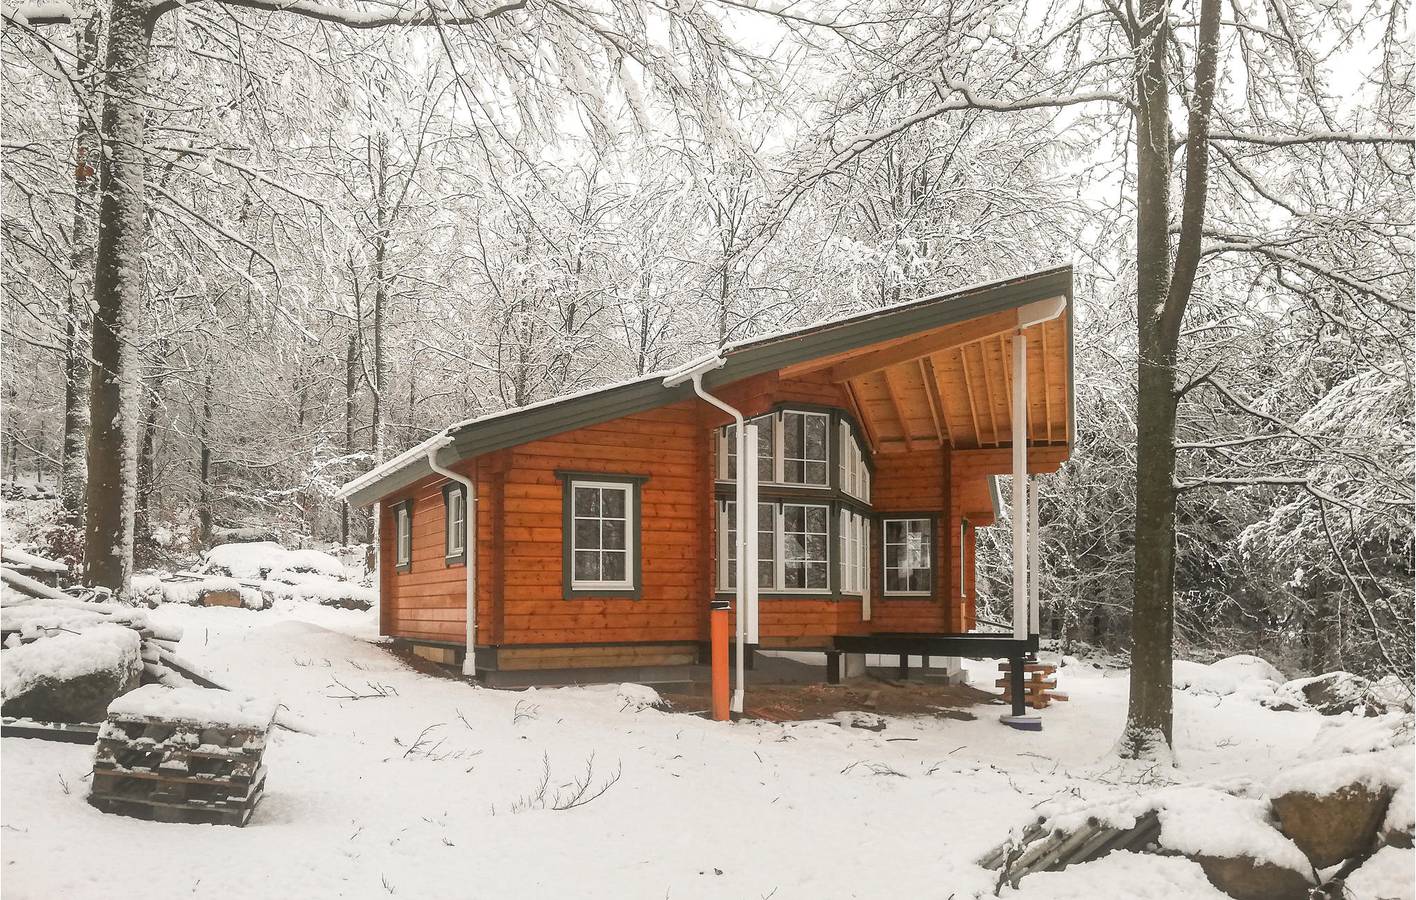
469 547
695 374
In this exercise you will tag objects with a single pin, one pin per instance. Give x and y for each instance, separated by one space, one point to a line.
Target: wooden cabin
605 522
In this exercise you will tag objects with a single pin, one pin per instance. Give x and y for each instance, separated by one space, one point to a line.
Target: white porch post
747 546
1020 485
1034 563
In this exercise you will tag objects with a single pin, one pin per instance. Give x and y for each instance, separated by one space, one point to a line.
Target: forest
253 248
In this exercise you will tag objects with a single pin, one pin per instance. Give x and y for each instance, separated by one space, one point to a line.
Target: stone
1244 878
1332 827
81 699
1336 693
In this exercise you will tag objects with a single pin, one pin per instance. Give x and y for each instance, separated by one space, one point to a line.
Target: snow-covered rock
70 677
1386 876
1332 809
634 697
1400 819
1334 693
1246 675
267 559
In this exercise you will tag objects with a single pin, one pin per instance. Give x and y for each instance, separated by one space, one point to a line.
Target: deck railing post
1020 476
1034 560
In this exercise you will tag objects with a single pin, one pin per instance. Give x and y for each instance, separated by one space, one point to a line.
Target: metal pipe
469 547
695 375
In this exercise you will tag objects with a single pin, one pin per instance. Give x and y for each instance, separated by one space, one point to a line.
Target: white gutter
469 547
695 372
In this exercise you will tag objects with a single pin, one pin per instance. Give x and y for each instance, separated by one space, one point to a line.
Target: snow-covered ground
362 808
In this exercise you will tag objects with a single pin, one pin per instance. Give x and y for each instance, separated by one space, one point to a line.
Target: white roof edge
411 455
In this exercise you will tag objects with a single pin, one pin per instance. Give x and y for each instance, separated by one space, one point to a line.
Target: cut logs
1039 684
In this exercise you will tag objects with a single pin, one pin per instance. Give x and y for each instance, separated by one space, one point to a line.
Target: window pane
730 449
816 575
587 534
894 581
919 580
612 566
816 519
815 473
894 531
793 546
794 471
765 469
587 501
815 439
612 503
794 575
766 574
816 546
793 519
613 535
587 565
792 435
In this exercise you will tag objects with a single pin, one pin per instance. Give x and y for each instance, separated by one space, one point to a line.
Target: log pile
172 764
1039 684
1041 850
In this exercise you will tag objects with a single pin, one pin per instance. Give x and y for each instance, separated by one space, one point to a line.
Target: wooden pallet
177 771
1039 684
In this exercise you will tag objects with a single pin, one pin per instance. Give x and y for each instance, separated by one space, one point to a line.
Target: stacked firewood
1039 684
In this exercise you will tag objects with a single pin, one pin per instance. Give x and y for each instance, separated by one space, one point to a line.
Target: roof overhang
509 428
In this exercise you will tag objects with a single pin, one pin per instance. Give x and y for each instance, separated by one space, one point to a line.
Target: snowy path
701 810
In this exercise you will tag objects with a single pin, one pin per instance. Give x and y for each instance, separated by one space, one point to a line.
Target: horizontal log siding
664 444
428 602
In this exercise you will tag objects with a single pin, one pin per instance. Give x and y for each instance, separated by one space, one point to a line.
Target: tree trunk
1148 720
117 295
143 544
204 517
351 386
73 468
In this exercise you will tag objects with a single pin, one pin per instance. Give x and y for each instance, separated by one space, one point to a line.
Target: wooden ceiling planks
961 396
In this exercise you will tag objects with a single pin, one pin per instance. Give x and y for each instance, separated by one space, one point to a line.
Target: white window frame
854 473
779 450
455 541
854 554
630 524
780 546
767 521
403 535
885 556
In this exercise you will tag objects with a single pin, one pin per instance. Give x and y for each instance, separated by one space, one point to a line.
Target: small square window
908 568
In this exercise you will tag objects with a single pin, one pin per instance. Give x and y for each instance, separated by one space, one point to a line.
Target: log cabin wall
521 597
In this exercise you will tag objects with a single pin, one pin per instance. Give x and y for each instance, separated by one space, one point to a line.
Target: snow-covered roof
741 359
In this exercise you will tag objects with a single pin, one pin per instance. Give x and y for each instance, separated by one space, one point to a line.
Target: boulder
1336 693
71 677
1245 878
1397 828
1333 826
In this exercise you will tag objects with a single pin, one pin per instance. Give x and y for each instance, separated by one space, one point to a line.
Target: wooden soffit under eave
953 386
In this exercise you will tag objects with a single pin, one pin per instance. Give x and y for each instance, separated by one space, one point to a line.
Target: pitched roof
743 359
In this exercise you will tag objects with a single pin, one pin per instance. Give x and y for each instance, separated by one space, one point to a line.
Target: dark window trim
636 573
398 538
933 590
452 559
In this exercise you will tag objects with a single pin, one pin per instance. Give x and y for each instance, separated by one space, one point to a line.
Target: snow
792 808
197 705
20 559
1389 875
1135 876
1203 822
1375 771
105 647
261 559
1235 674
